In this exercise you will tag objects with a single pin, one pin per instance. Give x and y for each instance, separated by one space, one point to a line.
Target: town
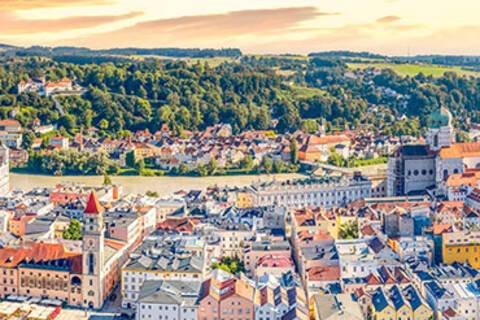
217 150
337 244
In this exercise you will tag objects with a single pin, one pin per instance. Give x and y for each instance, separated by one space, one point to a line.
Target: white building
161 258
356 259
169 300
4 171
327 192
277 297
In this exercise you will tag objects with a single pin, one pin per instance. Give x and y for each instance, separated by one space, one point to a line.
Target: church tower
440 129
4 170
93 254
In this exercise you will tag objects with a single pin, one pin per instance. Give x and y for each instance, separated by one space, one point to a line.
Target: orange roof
461 150
319 235
440 228
117 245
319 273
9 122
37 252
469 178
93 205
329 139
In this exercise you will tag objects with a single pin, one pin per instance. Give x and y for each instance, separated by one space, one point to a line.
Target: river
134 184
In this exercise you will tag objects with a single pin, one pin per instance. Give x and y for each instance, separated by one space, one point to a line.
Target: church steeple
93 253
93 205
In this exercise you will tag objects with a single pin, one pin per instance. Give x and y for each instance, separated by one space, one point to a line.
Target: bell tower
93 254
440 129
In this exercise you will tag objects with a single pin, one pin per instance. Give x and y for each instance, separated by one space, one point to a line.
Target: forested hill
165 52
280 93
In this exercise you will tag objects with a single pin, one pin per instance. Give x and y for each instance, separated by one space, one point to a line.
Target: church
416 169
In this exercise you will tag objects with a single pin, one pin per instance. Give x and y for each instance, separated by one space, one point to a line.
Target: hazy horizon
390 27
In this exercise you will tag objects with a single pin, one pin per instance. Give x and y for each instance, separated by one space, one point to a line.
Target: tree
309 126
152 194
212 166
106 180
103 124
130 160
231 265
267 164
335 159
247 163
293 151
140 165
28 139
349 230
74 231
279 166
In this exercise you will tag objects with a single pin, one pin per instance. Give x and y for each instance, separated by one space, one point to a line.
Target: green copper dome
440 118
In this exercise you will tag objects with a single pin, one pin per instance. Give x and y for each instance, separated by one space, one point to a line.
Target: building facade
324 192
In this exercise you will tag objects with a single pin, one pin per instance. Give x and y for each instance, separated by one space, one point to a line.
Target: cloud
388 19
40 4
11 24
226 29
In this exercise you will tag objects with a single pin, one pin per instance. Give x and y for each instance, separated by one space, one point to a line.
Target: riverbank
137 184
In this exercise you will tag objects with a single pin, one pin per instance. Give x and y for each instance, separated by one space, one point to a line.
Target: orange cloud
388 19
36 4
206 30
11 24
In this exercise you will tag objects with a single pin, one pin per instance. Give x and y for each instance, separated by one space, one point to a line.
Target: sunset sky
260 26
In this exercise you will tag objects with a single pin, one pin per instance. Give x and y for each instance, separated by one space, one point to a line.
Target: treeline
71 162
167 52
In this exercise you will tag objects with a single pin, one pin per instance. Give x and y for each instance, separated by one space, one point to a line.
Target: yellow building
382 306
244 200
399 304
314 220
462 247
422 312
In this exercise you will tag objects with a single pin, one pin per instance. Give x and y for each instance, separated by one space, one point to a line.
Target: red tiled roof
9 122
368 230
36 252
275 261
461 150
319 273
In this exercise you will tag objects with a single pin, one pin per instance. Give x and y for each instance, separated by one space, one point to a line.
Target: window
91 263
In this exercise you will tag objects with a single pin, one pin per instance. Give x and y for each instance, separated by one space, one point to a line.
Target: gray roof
170 292
340 306
165 254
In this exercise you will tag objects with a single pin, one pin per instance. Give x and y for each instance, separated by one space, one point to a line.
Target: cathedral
417 169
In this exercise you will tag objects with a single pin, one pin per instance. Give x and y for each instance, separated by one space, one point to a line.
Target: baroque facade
419 168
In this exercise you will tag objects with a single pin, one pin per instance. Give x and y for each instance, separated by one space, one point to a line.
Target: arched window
445 174
435 140
91 263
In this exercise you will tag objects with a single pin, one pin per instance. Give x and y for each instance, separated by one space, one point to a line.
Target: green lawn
306 92
414 69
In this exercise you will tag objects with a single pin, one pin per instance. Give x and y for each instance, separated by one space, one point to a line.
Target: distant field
292 57
414 69
213 62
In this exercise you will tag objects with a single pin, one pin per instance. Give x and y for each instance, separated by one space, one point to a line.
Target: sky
395 27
